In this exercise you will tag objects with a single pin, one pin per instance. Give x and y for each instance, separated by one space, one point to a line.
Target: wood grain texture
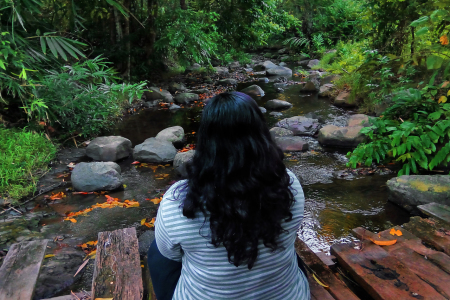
117 270
20 270
436 210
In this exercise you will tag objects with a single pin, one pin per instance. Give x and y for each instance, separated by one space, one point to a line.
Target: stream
335 204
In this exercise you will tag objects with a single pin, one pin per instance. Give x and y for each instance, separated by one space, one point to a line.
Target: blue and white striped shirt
206 272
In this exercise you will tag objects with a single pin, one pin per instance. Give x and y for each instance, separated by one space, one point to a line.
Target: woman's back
206 271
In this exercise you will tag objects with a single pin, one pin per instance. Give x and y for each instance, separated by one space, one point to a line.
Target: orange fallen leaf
143 221
156 200
135 162
395 232
70 219
57 196
383 243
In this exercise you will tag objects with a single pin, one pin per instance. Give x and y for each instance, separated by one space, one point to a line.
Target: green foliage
24 157
82 98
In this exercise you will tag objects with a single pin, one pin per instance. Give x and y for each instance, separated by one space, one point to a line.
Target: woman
233 223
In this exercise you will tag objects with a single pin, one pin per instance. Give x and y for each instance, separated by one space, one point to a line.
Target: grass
24 156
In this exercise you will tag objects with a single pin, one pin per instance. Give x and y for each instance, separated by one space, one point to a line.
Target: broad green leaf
58 48
2 65
52 47
422 31
434 62
419 21
43 45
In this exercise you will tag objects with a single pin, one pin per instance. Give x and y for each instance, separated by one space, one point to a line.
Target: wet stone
276 132
300 125
291 143
154 151
253 91
174 134
181 160
145 240
96 176
279 71
109 148
185 98
228 81
276 104
263 110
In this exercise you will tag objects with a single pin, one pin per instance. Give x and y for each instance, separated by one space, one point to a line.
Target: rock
180 161
347 137
268 55
283 51
200 91
194 67
281 79
221 70
263 110
174 107
185 98
263 79
300 125
312 63
303 63
96 176
155 93
207 79
278 104
330 79
276 114
285 58
326 90
277 132
248 70
279 85
283 64
313 85
228 81
410 191
234 65
145 240
174 134
150 104
253 91
343 100
359 120
109 148
279 71
268 65
154 151
291 143
176 87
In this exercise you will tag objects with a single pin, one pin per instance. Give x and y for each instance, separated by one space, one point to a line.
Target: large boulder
154 151
176 87
109 148
181 160
278 104
358 120
326 90
228 81
300 125
194 67
253 91
174 134
185 98
410 191
313 85
303 63
279 71
155 93
343 100
330 79
347 137
234 65
96 176
291 143
312 63
268 65
221 70
283 51
277 132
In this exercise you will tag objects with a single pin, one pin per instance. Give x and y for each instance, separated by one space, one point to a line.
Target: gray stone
283 51
410 191
279 71
268 65
278 104
312 63
326 90
343 100
330 79
181 160
194 67
96 176
303 63
109 148
154 151
279 85
174 107
346 137
283 64
276 114
313 85
268 55
174 134
248 70
291 143
300 125
150 104
221 70
358 120
145 240
263 110
234 65
263 79
185 98
155 93
176 87
285 58
228 81
200 91
253 91
207 79
277 132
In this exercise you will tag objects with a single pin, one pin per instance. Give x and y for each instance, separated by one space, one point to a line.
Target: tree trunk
152 7
127 42
183 4
412 41
112 30
118 26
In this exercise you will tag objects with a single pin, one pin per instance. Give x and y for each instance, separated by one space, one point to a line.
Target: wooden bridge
415 266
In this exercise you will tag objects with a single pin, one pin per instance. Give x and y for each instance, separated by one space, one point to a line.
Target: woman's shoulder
174 196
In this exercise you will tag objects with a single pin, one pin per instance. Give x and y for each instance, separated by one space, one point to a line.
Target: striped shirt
206 272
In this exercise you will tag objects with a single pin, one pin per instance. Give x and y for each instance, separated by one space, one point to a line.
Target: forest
69 68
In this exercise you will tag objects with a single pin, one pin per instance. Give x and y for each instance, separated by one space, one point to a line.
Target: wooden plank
117 269
410 241
20 270
381 274
428 230
436 210
337 288
79 296
317 291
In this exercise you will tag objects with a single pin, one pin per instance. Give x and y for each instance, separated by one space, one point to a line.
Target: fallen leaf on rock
156 200
143 221
383 243
81 267
135 163
49 255
62 175
91 255
71 165
395 232
161 176
57 196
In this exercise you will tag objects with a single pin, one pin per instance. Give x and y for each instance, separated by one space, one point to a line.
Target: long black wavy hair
237 179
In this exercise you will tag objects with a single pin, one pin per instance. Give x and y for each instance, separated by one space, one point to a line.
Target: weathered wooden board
408 240
428 230
117 270
79 296
436 210
381 274
336 287
20 270
317 291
